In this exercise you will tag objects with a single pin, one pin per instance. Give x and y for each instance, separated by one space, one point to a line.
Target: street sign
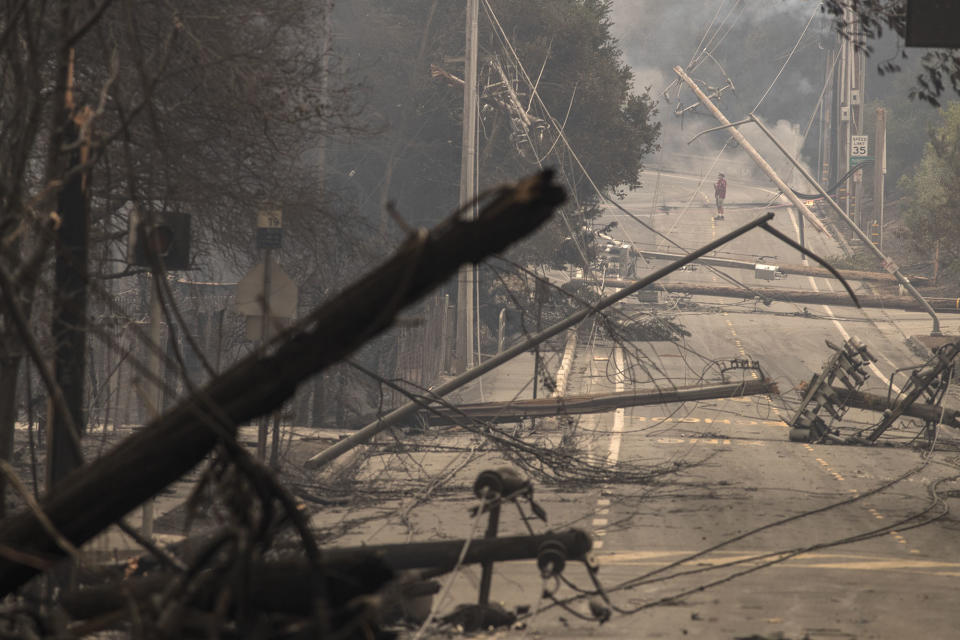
269 229
282 302
857 160
859 146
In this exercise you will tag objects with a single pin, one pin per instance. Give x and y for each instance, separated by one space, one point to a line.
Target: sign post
269 237
266 295
859 150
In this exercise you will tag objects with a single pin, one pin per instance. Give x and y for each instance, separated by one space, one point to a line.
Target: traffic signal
167 237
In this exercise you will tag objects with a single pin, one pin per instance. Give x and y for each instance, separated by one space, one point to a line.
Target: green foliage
932 192
940 68
409 55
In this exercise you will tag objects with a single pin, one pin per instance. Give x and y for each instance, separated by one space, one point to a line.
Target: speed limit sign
858 146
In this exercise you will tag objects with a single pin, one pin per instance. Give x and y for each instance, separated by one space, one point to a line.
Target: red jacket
720 188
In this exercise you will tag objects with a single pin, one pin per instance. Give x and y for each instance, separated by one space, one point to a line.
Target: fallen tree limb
516 410
97 495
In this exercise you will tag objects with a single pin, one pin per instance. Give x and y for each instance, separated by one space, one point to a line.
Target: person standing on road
720 192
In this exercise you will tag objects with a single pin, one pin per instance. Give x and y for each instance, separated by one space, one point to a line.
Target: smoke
790 136
748 41
664 33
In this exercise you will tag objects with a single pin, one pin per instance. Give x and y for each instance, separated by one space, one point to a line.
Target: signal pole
468 187
154 393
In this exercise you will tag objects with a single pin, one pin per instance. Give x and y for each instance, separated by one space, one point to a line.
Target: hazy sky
657 34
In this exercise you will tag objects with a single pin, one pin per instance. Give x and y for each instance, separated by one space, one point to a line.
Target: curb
566 364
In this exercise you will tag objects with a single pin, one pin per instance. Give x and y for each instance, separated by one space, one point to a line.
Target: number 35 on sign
858 145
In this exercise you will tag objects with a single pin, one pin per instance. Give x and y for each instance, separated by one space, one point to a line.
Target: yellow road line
832 561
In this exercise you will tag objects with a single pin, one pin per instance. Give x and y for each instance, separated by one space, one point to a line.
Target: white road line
836 323
616 434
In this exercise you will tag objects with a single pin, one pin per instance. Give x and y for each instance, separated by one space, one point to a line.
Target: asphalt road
755 536
751 535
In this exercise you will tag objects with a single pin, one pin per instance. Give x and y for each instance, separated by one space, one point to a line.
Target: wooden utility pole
826 120
851 99
843 123
468 187
858 97
69 325
754 155
880 168
517 410
801 296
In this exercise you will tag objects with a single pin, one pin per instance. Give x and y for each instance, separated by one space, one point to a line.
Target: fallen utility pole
93 497
887 263
792 269
366 433
516 410
799 296
757 158
873 402
443 555
929 381
848 365
395 572
293 586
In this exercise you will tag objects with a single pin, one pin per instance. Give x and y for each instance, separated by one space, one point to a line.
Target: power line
816 9
603 197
